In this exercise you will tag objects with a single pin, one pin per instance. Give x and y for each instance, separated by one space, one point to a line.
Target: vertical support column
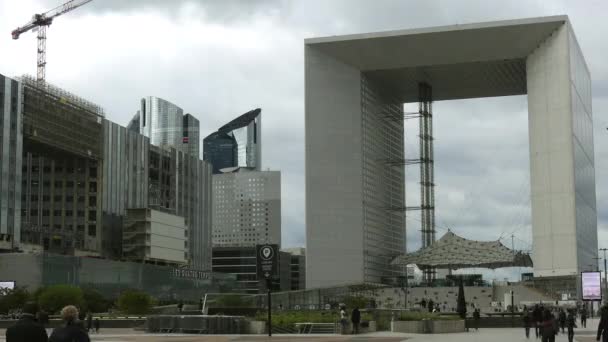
427 174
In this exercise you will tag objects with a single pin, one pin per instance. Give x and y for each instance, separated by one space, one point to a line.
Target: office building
246 207
153 236
166 125
191 138
236 144
71 176
297 267
354 137
11 146
241 263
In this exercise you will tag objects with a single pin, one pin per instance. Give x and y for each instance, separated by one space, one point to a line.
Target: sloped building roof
454 252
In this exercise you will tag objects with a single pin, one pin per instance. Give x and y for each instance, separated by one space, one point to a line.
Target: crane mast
41 22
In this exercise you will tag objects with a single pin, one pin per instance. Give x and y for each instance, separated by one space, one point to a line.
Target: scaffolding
427 173
60 119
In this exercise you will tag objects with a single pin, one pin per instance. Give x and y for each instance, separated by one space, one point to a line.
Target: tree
11 299
352 302
95 301
52 299
134 302
461 306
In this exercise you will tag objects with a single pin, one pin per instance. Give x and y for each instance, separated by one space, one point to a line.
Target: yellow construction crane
40 22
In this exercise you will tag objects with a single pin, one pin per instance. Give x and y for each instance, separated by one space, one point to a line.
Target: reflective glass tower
236 144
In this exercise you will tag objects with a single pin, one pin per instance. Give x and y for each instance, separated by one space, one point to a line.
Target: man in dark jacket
27 329
355 318
602 328
537 315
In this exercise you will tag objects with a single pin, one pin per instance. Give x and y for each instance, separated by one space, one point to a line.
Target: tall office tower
161 121
246 207
11 145
191 139
236 144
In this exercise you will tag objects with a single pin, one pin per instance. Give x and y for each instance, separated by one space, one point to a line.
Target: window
69 184
80 213
92 214
68 213
56 212
92 230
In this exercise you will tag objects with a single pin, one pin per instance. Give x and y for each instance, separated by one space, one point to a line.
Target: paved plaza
483 335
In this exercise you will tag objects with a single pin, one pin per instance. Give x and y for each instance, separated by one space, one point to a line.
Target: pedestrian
43 319
584 318
97 325
571 324
602 328
27 329
71 331
89 321
562 320
537 315
355 318
476 317
343 319
549 327
527 322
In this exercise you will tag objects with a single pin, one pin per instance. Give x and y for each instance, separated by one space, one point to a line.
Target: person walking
527 322
89 321
571 324
476 317
562 320
97 325
343 319
549 327
602 327
72 331
43 319
27 329
537 315
355 318
584 318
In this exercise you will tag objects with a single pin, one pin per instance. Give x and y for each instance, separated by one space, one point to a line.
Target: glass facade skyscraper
236 144
166 125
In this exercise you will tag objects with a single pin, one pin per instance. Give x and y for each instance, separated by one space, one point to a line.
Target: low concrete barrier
428 326
202 324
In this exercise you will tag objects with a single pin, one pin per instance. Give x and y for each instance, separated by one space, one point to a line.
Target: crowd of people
33 323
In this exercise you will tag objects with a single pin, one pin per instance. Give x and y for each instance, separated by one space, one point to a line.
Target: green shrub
287 319
52 299
134 302
418 316
95 301
11 299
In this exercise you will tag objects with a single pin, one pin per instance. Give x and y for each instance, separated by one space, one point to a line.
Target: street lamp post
605 275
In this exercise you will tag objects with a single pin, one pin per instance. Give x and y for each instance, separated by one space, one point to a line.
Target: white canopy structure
454 252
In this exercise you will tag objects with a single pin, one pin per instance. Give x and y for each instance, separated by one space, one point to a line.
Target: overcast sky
220 58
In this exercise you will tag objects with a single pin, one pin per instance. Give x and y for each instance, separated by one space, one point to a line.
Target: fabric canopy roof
454 252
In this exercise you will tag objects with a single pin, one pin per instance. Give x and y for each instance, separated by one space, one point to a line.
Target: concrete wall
558 212
334 196
167 237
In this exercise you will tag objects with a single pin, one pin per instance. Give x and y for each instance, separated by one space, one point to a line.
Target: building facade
297 267
167 126
236 144
354 225
246 208
153 236
191 138
11 147
71 175
241 263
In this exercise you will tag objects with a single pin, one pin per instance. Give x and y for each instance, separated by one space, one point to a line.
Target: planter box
256 327
427 327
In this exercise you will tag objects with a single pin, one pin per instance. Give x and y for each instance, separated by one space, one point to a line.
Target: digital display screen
7 285
592 285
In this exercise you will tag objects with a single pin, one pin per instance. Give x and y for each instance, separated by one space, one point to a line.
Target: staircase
316 328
